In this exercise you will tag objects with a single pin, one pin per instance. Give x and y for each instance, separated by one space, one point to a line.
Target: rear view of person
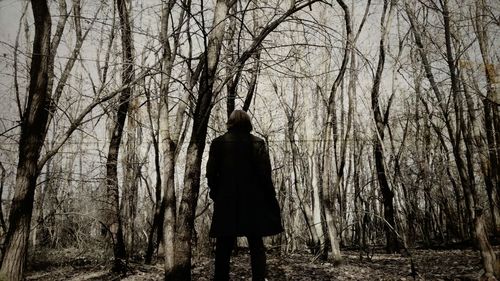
239 179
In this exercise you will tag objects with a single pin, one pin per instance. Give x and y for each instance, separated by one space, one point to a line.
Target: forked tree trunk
329 186
164 225
185 220
33 124
392 243
357 148
170 135
113 218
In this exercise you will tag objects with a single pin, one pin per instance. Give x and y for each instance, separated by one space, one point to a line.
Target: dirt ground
429 265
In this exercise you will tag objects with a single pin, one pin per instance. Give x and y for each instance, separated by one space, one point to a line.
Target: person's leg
223 249
258 258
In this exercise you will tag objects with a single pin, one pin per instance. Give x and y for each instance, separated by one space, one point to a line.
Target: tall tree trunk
33 124
492 177
357 147
168 144
317 205
131 178
170 135
165 209
113 218
392 243
49 191
185 220
329 186
158 209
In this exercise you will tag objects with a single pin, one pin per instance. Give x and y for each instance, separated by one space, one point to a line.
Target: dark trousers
224 247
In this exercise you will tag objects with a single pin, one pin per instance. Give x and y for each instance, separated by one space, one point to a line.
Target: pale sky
10 12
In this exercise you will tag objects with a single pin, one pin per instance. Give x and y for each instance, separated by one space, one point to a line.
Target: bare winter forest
382 120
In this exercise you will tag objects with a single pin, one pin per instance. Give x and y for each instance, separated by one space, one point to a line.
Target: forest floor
463 264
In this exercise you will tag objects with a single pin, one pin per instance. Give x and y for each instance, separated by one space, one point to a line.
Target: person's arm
212 170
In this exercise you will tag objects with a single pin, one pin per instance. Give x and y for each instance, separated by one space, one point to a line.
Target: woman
239 178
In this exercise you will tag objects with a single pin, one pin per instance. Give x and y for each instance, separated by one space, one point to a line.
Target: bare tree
33 134
203 107
114 221
170 131
329 186
392 243
458 134
185 220
491 116
369 134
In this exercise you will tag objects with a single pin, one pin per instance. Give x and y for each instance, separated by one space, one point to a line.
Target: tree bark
32 137
491 265
131 171
168 144
328 186
185 220
492 177
113 218
317 204
392 243
158 210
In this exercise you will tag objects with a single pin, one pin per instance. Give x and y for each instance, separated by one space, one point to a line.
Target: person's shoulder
257 139
218 139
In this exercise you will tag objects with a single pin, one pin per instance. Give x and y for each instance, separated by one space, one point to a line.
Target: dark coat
239 178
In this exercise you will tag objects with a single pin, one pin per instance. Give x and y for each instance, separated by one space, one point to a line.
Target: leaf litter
301 266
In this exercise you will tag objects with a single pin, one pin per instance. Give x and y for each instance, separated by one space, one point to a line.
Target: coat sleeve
213 173
264 167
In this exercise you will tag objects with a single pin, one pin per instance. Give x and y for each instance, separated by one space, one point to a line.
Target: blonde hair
239 120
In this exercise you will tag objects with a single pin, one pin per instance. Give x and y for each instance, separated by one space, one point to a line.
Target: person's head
239 121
